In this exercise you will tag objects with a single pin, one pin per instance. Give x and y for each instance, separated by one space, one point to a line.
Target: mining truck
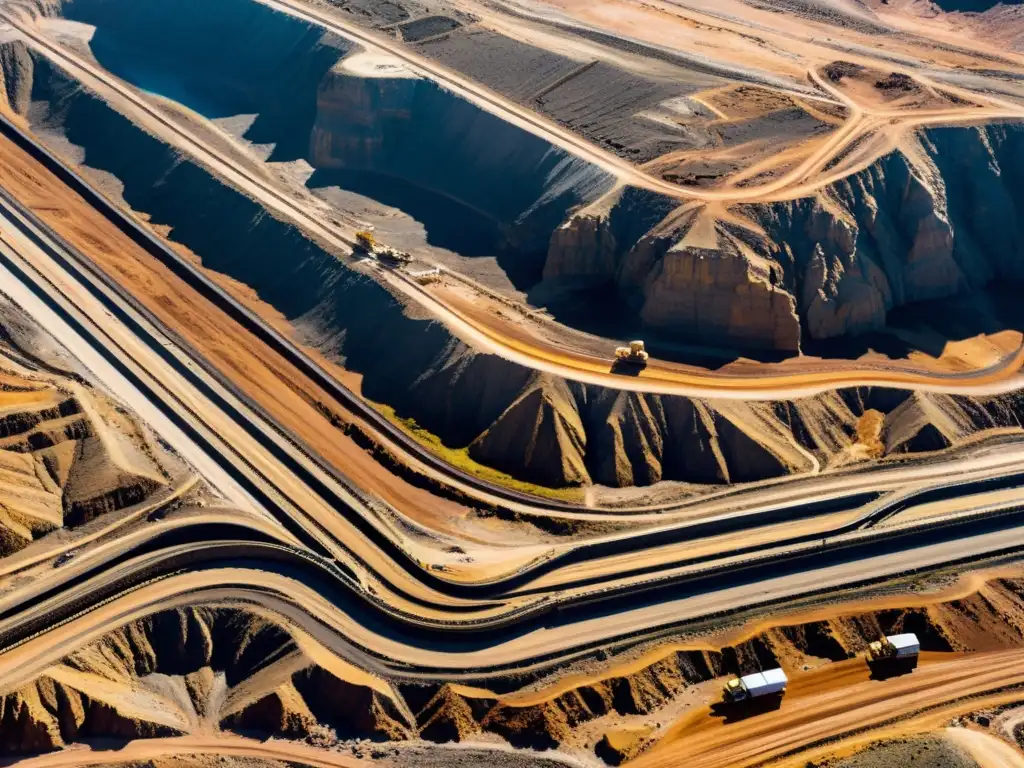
634 354
766 683
366 242
904 646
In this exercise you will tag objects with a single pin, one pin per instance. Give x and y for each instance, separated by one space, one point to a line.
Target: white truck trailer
771 681
903 646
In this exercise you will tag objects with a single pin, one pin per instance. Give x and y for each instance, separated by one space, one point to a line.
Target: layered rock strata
925 224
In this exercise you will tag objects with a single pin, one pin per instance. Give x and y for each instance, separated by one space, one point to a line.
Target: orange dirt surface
981 360
835 700
287 395
963 588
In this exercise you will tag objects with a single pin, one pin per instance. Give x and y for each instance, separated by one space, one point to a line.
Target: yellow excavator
366 242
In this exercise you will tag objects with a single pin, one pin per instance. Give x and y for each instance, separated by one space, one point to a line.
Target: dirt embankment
194 670
918 226
603 709
479 185
205 669
67 453
915 752
536 427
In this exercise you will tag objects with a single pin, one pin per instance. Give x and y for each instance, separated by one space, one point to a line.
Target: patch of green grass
460 458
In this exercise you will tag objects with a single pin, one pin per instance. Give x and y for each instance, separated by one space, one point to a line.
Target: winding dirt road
989 751
383 610
403 587
839 700
485 330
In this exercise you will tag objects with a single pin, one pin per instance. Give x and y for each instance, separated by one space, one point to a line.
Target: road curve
841 700
487 492
656 379
408 580
329 606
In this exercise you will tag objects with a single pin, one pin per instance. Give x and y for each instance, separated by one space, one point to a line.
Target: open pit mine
512 383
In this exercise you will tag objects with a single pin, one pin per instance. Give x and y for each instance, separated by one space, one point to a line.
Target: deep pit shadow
972 6
887 669
926 327
276 75
929 326
481 187
737 711
451 224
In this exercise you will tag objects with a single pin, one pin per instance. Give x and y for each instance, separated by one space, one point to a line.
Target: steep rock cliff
406 127
571 433
926 223
193 670
719 294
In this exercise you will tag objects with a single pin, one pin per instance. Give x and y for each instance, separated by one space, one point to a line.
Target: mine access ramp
766 683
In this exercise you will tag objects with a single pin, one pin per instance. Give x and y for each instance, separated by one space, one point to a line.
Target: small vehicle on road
766 683
366 243
893 656
64 557
633 356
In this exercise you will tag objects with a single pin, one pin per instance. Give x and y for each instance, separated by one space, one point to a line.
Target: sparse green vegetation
460 458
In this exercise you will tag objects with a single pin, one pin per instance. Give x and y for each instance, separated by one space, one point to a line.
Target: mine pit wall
223 668
899 232
234 57
451 159
241 672
986 620
537 427
411 129
464 397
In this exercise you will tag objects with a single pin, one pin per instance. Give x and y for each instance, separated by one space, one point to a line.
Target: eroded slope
189 671
68 454
218 668
909 228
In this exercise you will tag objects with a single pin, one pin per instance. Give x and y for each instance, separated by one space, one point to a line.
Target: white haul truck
771 681
904 646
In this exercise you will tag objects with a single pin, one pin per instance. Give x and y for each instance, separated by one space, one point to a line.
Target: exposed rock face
561 433
67 457
197 669
189 670
16 68
582 247
565 434
540 433
986 620
48 715
453 715
449 716
408 128
569 434
719 294
353 711
911 227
